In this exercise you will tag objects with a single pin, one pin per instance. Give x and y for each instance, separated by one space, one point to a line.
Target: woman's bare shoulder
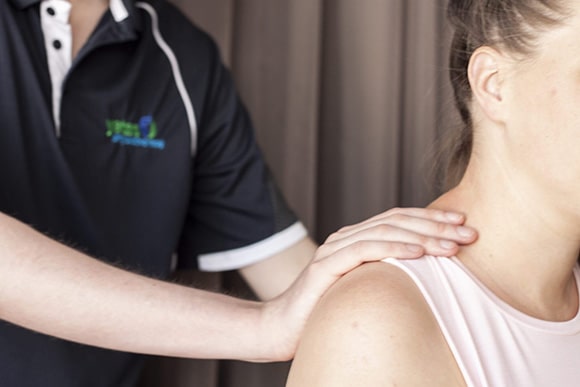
377 295
373 327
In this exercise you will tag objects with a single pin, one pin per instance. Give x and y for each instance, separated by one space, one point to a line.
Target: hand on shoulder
404 233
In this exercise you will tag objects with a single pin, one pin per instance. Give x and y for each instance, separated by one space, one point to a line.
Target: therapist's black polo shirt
154 156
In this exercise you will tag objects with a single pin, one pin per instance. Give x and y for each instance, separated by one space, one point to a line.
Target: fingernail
454 216
447 245
465 232
414 248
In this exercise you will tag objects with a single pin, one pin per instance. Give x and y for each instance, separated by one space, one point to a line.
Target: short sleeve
237 215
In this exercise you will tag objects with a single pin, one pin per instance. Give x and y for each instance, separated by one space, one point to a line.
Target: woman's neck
528 240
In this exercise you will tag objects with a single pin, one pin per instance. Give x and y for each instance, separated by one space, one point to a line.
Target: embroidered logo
141 134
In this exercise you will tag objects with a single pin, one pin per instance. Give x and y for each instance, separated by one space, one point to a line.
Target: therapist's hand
404 233
400 233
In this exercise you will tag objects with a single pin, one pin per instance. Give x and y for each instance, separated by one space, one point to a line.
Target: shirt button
56 44
50 11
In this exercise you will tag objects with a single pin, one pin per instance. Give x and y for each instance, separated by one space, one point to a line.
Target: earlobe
485 81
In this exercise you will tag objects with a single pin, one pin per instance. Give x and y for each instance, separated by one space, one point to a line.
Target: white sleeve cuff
256 252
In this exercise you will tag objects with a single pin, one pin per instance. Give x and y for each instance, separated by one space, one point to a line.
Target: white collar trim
118 10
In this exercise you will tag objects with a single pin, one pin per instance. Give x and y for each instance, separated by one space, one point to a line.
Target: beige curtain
349 99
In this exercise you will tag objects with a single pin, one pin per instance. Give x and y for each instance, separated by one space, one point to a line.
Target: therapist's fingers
436 232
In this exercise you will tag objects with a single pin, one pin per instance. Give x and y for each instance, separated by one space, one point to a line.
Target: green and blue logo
143 134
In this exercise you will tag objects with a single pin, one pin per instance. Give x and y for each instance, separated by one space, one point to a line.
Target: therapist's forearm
271 277
50 288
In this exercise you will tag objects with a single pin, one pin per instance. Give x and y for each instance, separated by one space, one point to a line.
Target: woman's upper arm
373 328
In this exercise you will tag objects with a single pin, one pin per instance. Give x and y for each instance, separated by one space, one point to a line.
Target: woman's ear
485 81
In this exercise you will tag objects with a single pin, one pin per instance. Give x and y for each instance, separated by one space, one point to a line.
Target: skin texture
520 191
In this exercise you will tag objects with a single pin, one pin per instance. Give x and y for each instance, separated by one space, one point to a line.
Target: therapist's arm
50 288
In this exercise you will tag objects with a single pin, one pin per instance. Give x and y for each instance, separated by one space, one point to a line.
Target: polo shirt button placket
57 40
56 43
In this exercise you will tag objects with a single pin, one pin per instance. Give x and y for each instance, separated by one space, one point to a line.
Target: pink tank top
494 344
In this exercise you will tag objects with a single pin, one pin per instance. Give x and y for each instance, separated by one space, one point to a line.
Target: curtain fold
275 61
360 110
349 100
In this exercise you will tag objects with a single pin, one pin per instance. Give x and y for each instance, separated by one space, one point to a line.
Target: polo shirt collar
125 15
118 10
122 10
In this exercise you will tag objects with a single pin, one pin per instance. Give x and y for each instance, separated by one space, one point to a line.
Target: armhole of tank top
448 338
